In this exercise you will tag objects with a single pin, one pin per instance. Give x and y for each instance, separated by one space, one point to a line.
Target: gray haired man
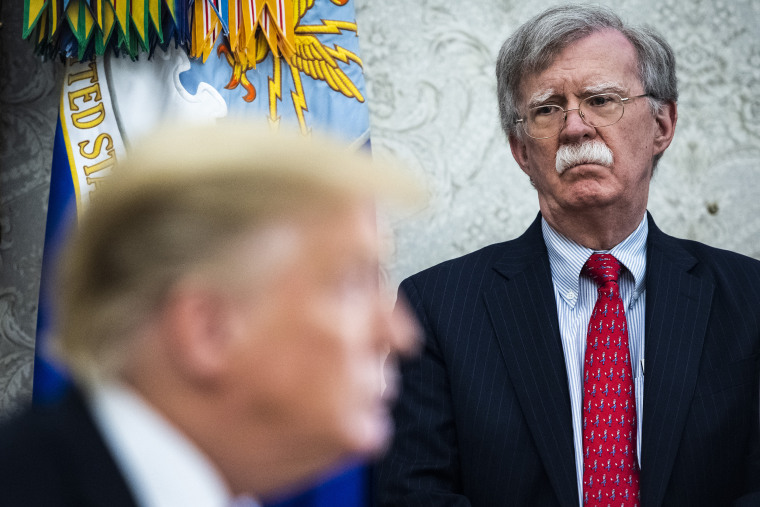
594 360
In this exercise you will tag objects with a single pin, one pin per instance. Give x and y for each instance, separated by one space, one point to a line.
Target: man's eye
599 100
545 110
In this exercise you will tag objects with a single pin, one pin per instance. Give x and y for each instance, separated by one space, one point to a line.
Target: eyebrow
540 97
609 86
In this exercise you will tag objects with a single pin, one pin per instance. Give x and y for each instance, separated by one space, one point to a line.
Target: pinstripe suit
484 414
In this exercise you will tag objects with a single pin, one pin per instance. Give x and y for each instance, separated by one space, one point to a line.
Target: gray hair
535 45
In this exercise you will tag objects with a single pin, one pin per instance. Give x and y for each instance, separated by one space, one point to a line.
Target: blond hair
180 199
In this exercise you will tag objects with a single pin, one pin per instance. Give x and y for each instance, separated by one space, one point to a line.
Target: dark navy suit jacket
484 416
54 456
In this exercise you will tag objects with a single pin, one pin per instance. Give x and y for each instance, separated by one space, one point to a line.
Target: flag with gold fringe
131 64
85 28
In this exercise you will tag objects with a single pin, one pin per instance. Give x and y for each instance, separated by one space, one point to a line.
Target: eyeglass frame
580 113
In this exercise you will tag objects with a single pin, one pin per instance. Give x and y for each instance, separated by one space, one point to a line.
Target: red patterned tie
610 468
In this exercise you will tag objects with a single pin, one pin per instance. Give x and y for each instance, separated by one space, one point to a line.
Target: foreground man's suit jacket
484 414
54 456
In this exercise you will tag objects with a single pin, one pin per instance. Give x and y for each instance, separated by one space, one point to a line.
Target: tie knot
602 268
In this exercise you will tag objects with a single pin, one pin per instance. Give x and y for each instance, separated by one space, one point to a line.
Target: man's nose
401 329
575 128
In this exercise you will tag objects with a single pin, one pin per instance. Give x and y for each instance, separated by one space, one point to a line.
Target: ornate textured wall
29 92
429 68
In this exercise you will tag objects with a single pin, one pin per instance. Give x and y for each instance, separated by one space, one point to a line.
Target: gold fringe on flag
86 28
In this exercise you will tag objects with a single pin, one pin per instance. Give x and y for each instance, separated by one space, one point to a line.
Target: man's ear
519 152
197 325
666 119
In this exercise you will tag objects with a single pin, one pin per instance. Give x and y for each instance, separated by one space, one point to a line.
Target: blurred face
315 338
602 62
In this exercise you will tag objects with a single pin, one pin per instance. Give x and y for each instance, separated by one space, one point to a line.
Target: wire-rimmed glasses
601 110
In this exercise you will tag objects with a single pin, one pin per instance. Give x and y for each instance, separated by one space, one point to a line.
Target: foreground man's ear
197 326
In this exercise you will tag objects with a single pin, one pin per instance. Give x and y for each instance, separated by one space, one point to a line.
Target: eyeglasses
602 110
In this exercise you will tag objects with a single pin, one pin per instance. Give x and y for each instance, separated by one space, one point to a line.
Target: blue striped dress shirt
575 297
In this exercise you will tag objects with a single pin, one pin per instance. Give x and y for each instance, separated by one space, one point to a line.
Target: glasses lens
544 121
602 110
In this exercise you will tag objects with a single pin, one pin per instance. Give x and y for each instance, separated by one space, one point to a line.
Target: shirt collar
566 258
161 465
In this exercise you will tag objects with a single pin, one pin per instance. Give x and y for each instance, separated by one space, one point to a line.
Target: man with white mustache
594 360
589 152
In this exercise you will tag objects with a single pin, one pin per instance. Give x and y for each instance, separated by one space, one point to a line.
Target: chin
370 436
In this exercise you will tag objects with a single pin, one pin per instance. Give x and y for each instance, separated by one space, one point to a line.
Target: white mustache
590 152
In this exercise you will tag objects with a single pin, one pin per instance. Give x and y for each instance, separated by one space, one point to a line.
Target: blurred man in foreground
220 311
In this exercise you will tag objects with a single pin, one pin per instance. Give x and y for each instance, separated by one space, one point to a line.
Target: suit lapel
93 471
524 316
677 309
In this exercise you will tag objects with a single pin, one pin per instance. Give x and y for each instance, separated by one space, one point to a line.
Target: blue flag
313 80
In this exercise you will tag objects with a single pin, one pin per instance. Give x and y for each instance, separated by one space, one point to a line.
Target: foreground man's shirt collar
161 466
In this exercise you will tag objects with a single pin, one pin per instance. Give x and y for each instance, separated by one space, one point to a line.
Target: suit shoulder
465 267
480 259
30 464
27 432
473 266
460 280
53 455
721 260
736 277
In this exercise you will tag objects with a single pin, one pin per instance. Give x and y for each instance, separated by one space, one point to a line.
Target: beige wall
431 90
